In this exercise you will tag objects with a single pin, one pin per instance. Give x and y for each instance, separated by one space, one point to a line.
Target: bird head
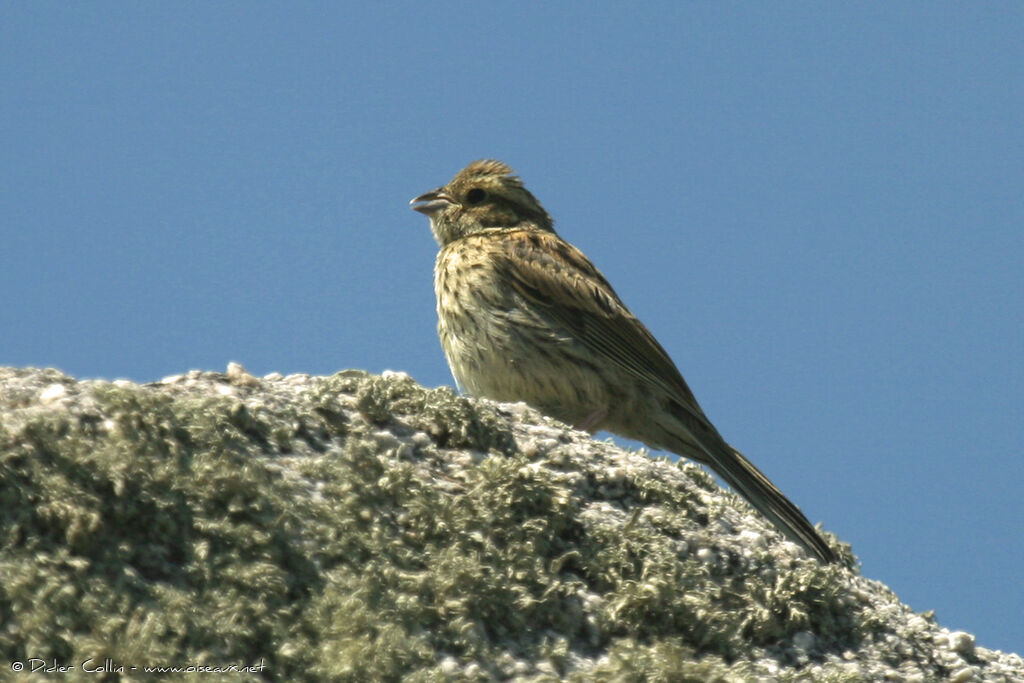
485 194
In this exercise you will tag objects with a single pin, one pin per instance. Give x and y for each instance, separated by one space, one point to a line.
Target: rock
360 527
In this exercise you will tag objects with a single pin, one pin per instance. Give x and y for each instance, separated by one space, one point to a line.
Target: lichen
362 528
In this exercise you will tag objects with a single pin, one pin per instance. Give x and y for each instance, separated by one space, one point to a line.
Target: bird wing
558 278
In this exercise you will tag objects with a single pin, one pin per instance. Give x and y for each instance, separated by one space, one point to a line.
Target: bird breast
502 347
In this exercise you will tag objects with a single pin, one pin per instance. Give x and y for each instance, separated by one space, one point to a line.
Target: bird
523 315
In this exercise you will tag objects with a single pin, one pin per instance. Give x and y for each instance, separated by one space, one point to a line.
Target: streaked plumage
524 316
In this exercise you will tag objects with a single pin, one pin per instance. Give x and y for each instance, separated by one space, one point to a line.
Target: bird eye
475 196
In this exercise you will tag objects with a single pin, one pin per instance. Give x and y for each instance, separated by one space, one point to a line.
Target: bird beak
432 202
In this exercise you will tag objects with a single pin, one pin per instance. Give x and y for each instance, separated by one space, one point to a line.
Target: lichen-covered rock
363 528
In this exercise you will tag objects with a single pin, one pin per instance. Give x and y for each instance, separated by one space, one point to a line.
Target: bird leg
590 421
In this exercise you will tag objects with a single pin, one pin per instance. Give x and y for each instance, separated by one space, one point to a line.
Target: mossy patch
363 528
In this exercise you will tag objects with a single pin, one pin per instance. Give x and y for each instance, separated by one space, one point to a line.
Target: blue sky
816 208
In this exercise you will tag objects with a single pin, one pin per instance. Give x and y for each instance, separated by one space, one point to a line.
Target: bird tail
760 492
680 435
